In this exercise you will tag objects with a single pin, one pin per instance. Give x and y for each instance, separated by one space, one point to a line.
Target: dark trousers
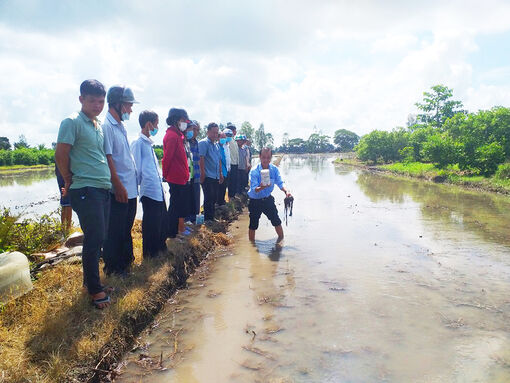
232 181
118 247
242 180
263 205
210 188
92 206
181 205
196 200
153 226
222 189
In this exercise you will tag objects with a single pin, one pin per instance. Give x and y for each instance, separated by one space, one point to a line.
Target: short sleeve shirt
211 153
116 144
87 157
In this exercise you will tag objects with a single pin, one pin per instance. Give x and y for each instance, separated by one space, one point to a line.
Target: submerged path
379 279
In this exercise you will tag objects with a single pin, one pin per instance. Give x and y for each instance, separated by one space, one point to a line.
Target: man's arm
221 173
120 191
279 182
63 163
202 169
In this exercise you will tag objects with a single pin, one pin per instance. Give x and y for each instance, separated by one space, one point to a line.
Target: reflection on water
378 279
30 193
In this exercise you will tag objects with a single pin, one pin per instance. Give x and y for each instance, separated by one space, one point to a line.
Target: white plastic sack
14 276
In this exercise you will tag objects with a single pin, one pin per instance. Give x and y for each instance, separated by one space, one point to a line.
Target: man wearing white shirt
149 178
118 247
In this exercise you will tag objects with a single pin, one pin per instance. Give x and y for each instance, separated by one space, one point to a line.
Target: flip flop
100 301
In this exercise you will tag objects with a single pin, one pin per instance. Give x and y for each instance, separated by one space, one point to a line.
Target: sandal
108 290
100 301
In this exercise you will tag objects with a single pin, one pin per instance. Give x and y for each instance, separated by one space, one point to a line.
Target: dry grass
53 334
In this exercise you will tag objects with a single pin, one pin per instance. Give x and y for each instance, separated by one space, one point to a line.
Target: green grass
413 169
16 168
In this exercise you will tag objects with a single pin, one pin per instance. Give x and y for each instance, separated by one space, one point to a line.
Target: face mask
229 139
189 135
183 126
223 141
125 116
154 131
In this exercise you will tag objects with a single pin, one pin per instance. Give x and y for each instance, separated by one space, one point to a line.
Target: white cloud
291 65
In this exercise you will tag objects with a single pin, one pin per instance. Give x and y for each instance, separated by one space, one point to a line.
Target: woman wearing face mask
176 171
225 166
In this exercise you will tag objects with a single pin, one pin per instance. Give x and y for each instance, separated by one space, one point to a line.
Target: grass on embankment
53 333
22 168
430 172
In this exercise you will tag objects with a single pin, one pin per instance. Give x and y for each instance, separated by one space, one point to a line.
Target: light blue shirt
256 179
116 144
211 153
148 172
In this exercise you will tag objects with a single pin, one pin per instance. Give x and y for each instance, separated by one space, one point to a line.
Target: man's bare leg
279 231
251 235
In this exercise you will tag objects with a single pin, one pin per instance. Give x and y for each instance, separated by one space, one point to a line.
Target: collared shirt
234 152
175 162
87 157
227 155
243 157
223 161
193 145
116 144
148 174
255 180
211 153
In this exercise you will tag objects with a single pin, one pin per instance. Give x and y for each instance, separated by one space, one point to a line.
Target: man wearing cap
118 247
234 161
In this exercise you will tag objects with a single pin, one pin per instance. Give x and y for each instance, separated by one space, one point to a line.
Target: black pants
210 188
196 202
242 180
264 205
92 205
222 189
232 181
181 205
153 226
118 247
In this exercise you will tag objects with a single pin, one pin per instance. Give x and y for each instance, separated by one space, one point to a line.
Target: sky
292 65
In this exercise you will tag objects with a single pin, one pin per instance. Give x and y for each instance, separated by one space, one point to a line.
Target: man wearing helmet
118 247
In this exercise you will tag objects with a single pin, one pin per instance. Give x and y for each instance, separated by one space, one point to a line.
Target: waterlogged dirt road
379 279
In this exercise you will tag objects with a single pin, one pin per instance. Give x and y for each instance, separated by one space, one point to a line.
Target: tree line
23 154
446 135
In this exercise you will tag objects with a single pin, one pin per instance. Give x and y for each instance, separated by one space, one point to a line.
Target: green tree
437 106
260 137
22 143
318 143
442 150
247 130
345 140
5 144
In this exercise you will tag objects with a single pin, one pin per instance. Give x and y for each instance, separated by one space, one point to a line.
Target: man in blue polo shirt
210 169
261 200
118 247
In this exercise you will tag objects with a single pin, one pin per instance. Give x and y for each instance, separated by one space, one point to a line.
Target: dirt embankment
53 334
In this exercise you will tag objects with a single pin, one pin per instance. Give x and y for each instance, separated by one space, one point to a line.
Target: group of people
103 175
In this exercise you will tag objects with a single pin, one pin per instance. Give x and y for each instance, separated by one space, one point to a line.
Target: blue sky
292 65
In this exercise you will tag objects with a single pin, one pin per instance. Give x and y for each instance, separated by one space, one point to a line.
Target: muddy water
378 279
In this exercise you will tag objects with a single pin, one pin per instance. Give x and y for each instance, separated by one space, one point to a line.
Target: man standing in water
82 162
261 200
118 247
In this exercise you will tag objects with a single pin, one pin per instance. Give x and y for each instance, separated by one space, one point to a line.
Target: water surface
379 279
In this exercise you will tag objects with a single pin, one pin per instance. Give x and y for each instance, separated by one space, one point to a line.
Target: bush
5 157
442 150
503 172
29 235
407 154
159 153
488 157
24 157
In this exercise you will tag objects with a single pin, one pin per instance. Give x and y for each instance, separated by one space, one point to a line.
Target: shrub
488 157
503 172
5 157
407 154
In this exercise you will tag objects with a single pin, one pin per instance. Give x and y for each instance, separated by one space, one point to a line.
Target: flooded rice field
378 280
